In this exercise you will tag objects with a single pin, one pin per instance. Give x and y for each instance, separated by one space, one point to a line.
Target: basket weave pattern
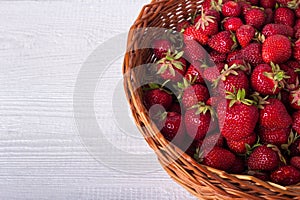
201 181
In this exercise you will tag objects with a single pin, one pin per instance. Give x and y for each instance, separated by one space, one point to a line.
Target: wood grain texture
43 45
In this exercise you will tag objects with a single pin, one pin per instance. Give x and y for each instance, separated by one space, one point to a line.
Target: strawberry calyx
260 101
277 75
170 61
202 108
217 5
277 150
294 4
292 138
204 21
259 37
249 149
296 97
238 97
181 86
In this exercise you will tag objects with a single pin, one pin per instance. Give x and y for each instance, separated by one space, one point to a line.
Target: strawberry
219 158
245 34
284 16
193 34
193 94
237 116
277 49
294 99
297 50
295 148
268 3
277 29
255 17
213 139
269 16
285 175
253 54
217 57
157 96
232 78
263 158
239 146
172 127
231 9
293 76
212 73
232 23
194 75
160 47
206 24
238 166
293 64
175 107
198 121
295 162
296 121
274 115
274 136
172 66
194 52
234 55
213 13
223 42
245 6
267 80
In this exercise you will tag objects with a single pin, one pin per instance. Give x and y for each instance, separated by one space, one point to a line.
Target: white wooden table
43 46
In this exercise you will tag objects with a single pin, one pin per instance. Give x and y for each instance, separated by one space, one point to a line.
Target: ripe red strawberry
175 107
234 55
161 47
297 50
285 175
263 158
267 80
239 146
223 42
274 115
252 54
217 57
232 24
212 73
268 3
232 79
274 136
237 116
157 96
193 94
231 9
284 16
238 166
245 34
172 66
214 13
198 121
293 64
295 148
193 34
277 49
194 75
194 52
219 158
293 76
294 99
211 140
295 162
255 17
245 6
206 24
269 16
296 121
277 29
172 127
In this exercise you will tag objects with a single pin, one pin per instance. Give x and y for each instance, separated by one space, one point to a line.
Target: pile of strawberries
230 96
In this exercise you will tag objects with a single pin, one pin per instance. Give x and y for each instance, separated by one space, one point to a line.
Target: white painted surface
43 45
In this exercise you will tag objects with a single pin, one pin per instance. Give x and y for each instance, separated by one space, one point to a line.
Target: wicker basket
201 181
